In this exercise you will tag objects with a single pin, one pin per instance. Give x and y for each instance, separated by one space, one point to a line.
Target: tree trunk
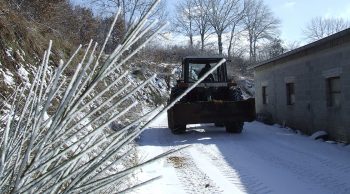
254 51
220 43
250 48
202 42
191 35
229 50
229 55
191 40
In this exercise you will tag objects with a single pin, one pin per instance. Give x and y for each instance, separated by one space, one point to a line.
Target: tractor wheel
170 119
175 92
179 129
234 127
236 94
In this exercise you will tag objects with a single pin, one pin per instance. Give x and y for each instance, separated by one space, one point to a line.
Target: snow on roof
325 43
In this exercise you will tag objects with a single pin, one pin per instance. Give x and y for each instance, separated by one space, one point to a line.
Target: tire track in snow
304 169
326 162
193 179
340 167
344 168
226 169
204 163
251 183
317 169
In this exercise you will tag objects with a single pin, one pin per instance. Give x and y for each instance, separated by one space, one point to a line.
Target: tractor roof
197 59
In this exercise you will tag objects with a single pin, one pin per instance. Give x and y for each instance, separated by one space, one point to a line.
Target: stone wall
309 74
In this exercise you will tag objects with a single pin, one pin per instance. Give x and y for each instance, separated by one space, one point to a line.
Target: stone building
309 88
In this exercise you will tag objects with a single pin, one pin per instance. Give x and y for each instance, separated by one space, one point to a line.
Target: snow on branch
56 136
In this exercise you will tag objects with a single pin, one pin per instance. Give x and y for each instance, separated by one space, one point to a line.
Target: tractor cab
195 67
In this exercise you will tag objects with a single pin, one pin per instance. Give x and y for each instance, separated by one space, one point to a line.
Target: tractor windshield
198 70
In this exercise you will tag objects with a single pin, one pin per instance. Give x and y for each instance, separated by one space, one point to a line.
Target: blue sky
295 14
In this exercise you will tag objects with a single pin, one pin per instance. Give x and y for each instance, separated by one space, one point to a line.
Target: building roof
337 39
203 57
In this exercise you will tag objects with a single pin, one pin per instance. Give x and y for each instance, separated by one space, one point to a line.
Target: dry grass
177 161
30 38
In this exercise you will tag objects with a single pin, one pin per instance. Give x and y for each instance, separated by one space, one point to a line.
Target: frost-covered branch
57 136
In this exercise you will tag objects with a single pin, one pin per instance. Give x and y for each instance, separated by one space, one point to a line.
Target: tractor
216 99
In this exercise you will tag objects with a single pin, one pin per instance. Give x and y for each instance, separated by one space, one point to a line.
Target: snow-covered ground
263 159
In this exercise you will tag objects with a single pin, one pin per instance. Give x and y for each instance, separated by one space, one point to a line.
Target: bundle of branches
71 149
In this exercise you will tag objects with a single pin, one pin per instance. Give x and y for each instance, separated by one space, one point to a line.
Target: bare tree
319 27
222 14
235 33
271 49
184 21
291 45
201 21
132 10
260 24
235 48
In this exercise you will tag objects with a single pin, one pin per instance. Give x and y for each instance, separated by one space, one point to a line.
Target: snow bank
23 73
9 52
348 147
20 55
8 77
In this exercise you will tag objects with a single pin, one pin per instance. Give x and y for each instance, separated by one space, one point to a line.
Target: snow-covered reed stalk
56 138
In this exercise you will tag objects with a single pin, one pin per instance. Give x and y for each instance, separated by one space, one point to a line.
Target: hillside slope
22 44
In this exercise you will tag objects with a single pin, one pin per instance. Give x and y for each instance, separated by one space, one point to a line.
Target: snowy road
263 159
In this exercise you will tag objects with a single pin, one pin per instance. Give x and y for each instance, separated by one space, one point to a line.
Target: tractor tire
175 92
234 127
236 94
170 119
179 129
